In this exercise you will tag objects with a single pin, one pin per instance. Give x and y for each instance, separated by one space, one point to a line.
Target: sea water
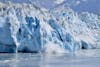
82 58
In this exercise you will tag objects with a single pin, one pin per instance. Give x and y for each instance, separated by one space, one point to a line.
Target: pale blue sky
77 5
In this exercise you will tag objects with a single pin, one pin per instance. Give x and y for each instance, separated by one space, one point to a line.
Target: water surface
83 58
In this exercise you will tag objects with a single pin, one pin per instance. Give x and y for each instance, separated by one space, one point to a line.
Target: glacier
29 28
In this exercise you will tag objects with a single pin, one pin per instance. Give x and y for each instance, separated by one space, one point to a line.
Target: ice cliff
28 28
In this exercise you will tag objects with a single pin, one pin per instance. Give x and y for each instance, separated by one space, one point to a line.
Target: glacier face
28 28
84 28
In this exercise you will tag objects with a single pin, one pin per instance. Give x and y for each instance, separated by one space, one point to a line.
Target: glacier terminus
29 28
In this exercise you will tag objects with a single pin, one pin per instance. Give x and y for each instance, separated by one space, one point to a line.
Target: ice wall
84 28
28 28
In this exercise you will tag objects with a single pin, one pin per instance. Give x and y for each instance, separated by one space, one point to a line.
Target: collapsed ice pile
28 28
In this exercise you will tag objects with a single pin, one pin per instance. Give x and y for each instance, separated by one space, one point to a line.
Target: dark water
85 58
